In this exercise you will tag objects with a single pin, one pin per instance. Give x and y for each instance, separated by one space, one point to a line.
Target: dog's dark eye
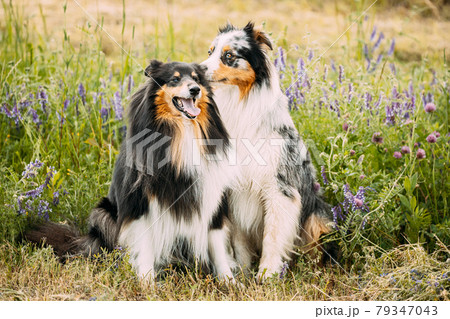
195 78
176 80
209 52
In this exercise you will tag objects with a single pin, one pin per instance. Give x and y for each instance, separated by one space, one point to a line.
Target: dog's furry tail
316 218
67 241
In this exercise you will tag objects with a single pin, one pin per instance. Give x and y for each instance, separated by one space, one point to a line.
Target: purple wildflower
43 100
341 74
397 155
117 104
284 270
373 34
430 107
405 150
310 55
362 176
55 198
377 44
35 116
34 193
345 127
30 170
130 83
333 65
393 69
104 112
352 152
82 93
324 176
43 209
420 154
391 48
377 138
431 138
437 134
4 110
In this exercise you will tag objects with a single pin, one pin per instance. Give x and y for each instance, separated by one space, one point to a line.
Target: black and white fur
177 210
275 204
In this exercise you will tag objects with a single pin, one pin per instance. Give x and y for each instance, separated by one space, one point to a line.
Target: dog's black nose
194 90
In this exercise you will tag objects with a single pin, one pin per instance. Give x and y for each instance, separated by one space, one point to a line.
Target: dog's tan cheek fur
166 112
243 78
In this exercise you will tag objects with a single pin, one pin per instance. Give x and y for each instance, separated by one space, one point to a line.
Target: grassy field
376 104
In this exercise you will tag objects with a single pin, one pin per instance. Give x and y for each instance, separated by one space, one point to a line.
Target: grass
65 89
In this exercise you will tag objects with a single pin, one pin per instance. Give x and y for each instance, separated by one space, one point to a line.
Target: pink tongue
189 107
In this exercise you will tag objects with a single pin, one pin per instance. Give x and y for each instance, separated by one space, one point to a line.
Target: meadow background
373 108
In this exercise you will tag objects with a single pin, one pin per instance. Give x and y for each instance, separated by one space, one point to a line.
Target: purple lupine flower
34 193
16 114
391 48
405 150
341 74
4 110
377 138
420 154
434 81
284 270
367 99
35 117
350 92
333 66
310 55
393 69
431 138
30 170
366 52
43 209
324 176
82 93
117 104
281 63
130 84
325 73
43 100
373 34
380 57
20 210
397 155
55 200
104 112
430 107
337 213
300 69
377 44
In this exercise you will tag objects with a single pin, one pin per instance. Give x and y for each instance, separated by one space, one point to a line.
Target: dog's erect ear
200 68
257 34
152 67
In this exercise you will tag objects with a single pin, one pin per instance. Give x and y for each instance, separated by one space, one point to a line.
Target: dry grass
309 24
30 274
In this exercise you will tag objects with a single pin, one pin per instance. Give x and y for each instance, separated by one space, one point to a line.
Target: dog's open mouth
186 106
